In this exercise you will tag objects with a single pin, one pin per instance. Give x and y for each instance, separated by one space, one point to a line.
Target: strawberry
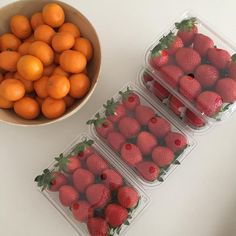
96 164
130 99
68 195
232 67
131 154
84 149
115 140
148 170
159 57
202 43
176 106
193 119
188 59
176 141
97 227
209 103
146 142
129 127
98 195
67 164
162 156
51 180
207 75
187 30
82 179
159 91
112 179
226 88
103 126
143 114
115 215
147 77
114 110
172 42
189 87
127 197
82 211
171 74
159 126
218 57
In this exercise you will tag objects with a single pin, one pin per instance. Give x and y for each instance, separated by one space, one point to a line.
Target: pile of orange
43 64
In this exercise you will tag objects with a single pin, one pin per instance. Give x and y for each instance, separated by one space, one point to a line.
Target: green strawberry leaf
125 94
178 153
80 147
118 229
186 24
62 162
168 39
126 222
224 73
160 179
45 179
176 162
97 121
233 58
110 107
226 107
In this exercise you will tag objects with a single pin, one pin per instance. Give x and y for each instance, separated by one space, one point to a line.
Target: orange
40 87
27 108
30 67
9 42
8 60
48 70
39 100
53 15
30 39
53 108
36 20
44 33
84 46
62 41
58 86
57 57
9 75
69 101
20 26
29 88
12 89
5 104
70 28
24 48
42 51
58 71
73 61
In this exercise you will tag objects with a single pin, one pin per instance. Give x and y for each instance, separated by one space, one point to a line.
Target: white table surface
199 199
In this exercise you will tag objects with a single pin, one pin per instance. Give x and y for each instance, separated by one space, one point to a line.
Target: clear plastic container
109 198
142 136
198 69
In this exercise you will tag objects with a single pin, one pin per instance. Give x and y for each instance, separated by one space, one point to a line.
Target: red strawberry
115 215
189 87
84 149
171 74
218 57
129 127
131 154
187 30
82 211
193 119
103 126
143 114
68 195
147 77
51 180
226 88
146 142
232 68
172 42
176 106
82 179
148 170
98 195
188 59
112 179
207 75
202 43
159 126
209 103
114 110
115 140
159 91
127 197
176 141
96 164
130 99
162 156
97 227
159 57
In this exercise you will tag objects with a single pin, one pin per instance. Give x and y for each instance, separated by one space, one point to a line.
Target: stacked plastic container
144 131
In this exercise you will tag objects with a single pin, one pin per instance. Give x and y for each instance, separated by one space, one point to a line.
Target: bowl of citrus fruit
50 60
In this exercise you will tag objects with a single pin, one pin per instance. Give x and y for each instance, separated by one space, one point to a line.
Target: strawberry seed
152 169
153 120
131 99
177 142
128 146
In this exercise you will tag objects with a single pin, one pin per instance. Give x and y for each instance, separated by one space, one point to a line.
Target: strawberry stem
97 121
80 147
